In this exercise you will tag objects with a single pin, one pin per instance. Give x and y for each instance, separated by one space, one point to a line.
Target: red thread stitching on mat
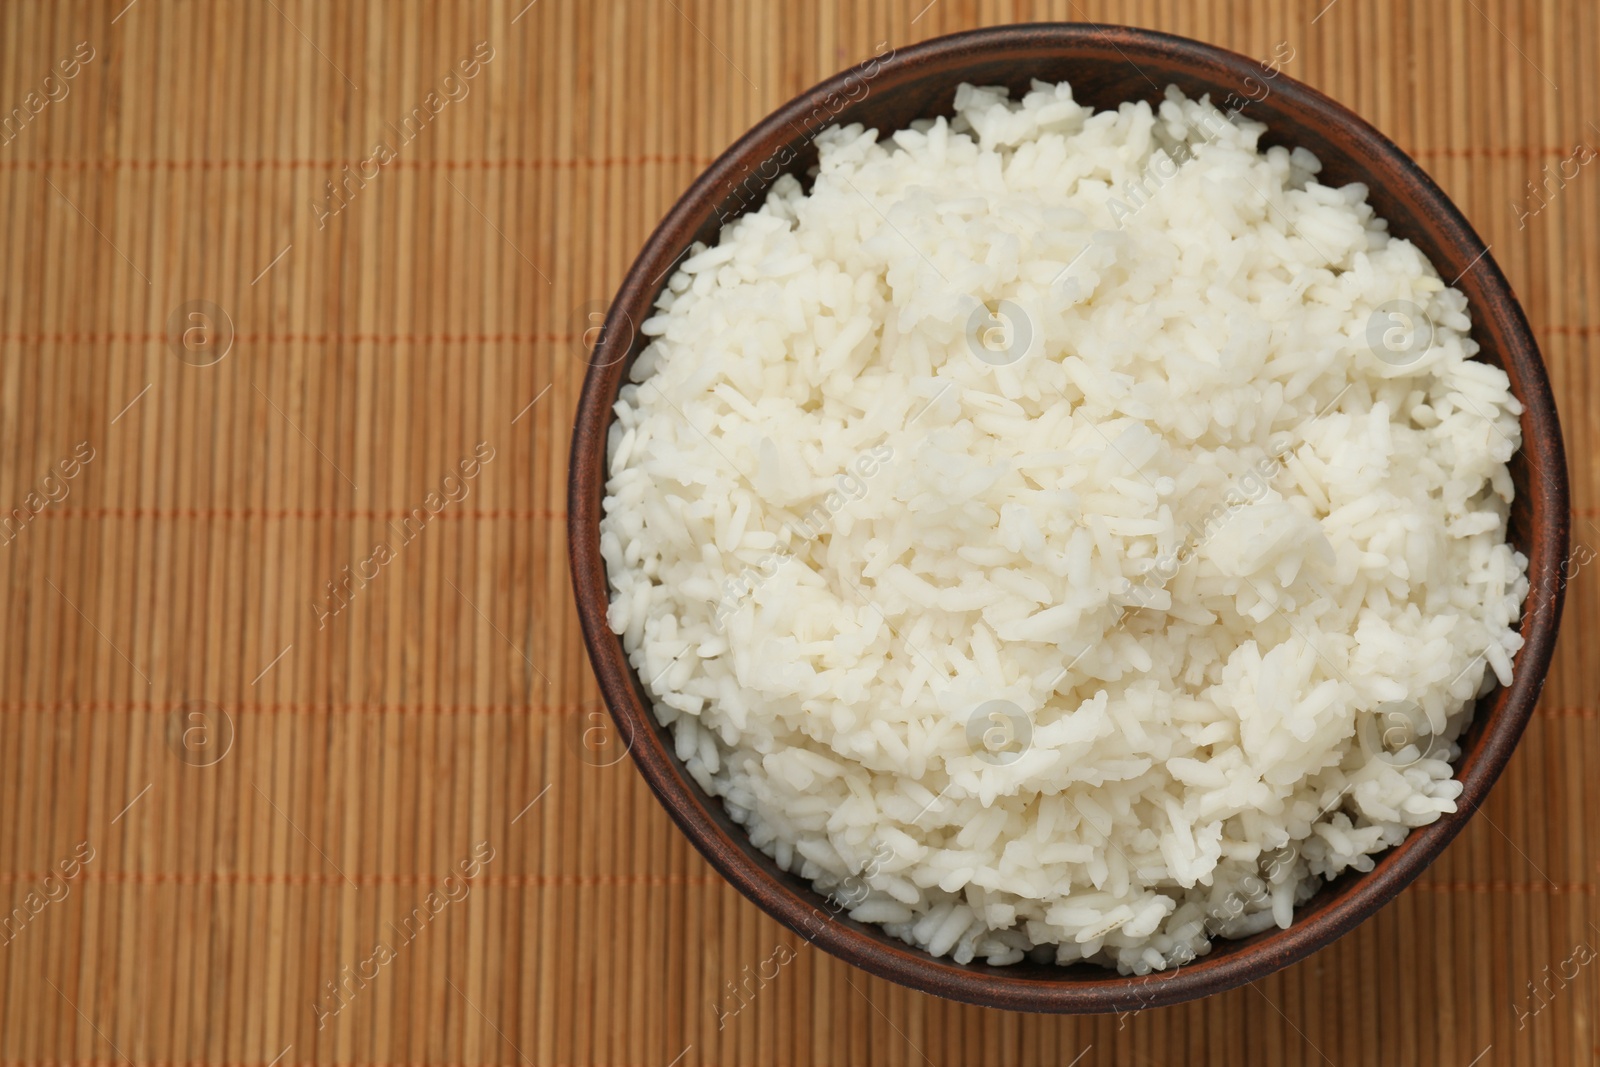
280 514
335 164
1490 151
1421 152
1560 329
1501 886
297 708
596 881
513 881
308 708
300 338
335 515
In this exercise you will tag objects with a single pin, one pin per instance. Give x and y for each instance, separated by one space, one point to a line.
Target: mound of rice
1038 537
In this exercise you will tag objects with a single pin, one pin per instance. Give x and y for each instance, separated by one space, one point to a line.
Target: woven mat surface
280 276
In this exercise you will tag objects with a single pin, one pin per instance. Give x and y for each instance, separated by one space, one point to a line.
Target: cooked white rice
1100 631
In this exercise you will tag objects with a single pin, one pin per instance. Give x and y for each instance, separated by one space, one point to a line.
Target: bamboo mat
267 799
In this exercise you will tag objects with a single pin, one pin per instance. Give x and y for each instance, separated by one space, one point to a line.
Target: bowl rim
992 987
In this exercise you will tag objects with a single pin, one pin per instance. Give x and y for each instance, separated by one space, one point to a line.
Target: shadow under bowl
1106 66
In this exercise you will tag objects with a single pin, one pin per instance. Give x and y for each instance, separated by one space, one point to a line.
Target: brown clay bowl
1106 65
